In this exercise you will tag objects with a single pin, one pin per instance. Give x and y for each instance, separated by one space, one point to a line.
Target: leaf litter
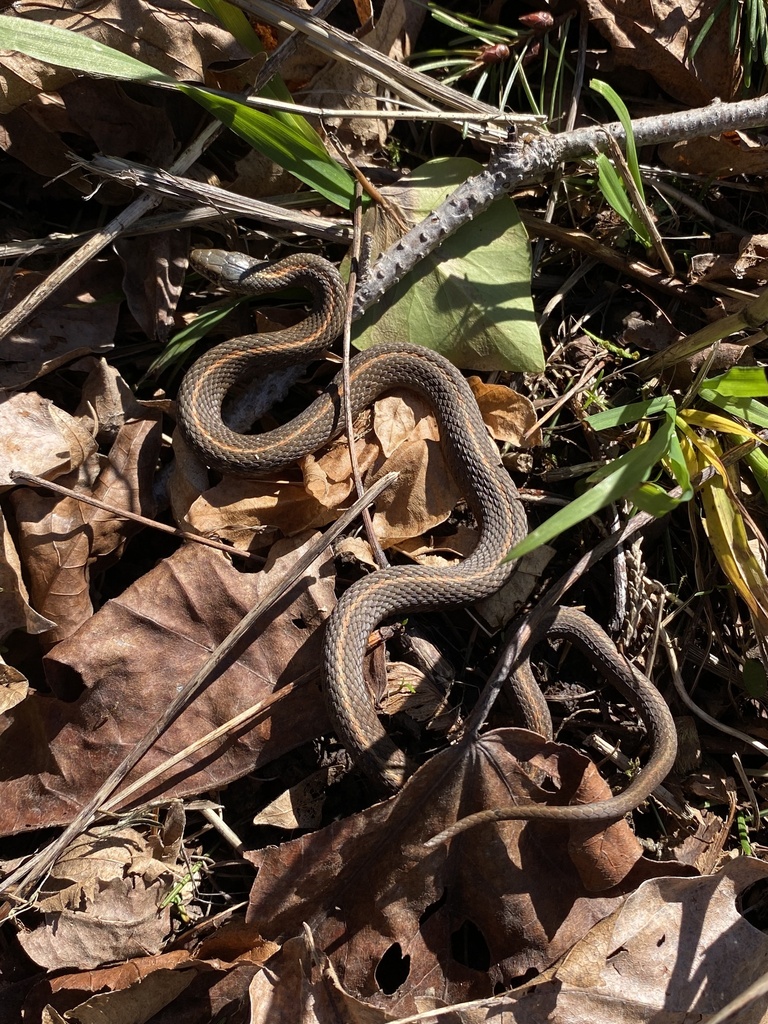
355 919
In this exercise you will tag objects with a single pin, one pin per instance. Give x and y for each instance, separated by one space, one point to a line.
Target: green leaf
235 21
653 499
675 462
618 480
614 190
631 413
470 300
758 463
280 142
620 109
748 409
739 382
60 47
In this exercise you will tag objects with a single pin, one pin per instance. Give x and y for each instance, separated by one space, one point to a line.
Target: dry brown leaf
508 415
673 953
62 541
38 438
246 512
512 890
356 548
415 692
309 991
301 806
15 609
132 657
14 687
167 988
152 298
743 259
731 154
347 86
79 318
103 901
656 36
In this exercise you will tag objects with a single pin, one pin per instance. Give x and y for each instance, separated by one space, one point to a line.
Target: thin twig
529 159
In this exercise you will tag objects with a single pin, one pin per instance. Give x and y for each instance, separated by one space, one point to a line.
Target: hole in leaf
468 947
393 970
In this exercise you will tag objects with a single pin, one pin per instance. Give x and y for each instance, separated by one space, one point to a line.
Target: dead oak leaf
370 889
666 955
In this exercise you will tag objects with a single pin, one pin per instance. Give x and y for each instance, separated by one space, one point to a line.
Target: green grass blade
610 184
748 409
622 414
66 49
738 382
234 21
619 480
188 337
619 108
279 138
280 142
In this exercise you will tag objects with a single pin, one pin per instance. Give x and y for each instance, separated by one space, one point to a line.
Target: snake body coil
473 460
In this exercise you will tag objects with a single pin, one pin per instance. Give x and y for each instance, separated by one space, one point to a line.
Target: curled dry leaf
105 900
62 540
522 893
170 987
301 806
134 655
424 496
38 438
508 415
15 609
14 687
307 979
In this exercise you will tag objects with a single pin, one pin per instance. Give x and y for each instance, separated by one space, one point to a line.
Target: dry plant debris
242 871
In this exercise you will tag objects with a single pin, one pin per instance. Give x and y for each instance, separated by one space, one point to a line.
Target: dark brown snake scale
473 460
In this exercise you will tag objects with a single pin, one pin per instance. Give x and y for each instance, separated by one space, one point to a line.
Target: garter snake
473 461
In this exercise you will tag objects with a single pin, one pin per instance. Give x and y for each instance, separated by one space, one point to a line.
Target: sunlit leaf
739 382
471 300
60 47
